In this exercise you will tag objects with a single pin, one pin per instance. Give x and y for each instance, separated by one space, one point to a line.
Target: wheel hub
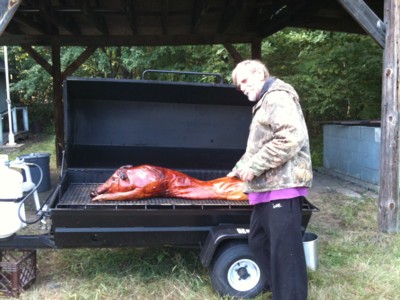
242 272
243 275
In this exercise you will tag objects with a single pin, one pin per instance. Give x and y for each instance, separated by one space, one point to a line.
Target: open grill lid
180 125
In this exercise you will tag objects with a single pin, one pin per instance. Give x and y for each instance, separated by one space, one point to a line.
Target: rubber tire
224 260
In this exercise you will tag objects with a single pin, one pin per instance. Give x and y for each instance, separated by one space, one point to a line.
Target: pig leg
131 195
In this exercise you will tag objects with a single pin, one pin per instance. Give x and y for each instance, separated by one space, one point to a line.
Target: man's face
250 83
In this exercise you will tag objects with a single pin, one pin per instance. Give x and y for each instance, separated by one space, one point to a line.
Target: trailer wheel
234 272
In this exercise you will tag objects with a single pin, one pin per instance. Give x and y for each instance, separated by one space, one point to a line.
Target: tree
337 75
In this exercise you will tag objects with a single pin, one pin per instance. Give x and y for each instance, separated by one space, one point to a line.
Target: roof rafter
22 19
229 14
164 21
130 13
95 15
200 8
57 20
132 40
164 17
282 15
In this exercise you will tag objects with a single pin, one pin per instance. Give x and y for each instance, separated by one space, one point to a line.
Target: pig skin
147 181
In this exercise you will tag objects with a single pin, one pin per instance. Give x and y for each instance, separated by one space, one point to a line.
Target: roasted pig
146 181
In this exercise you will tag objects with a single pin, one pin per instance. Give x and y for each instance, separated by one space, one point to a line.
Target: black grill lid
111 122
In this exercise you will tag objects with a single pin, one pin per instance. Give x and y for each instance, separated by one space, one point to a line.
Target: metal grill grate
78 196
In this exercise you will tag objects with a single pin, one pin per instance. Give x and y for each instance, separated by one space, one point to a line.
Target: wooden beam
281 16
388 202
366 18
256 49
130 12
78 62
58 103
38 58
229 14
51 24
98 20
123 40
200 8
237 57
347 25
13 28
55 71
28 22
164 16
7 11
57 20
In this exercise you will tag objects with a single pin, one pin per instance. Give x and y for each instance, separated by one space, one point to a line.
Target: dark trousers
276 240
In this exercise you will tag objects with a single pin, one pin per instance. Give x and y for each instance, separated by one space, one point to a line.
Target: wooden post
389 169
55 71
256 49
58 105
237 57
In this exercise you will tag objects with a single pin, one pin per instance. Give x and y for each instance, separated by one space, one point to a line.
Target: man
277 172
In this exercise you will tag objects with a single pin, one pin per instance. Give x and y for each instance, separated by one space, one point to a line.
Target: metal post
11 139
15 119
25 116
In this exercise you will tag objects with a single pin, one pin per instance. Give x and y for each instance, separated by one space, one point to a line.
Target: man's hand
245 174
232 174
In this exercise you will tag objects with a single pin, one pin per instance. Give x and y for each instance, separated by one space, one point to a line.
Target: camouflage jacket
278 151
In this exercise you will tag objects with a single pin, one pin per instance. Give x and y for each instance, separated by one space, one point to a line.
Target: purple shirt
256 198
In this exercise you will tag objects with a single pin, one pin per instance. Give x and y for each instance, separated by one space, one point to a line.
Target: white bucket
310 245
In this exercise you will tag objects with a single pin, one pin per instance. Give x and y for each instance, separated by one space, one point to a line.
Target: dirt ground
326 181
331 192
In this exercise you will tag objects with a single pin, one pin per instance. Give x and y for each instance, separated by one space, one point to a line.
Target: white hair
251 66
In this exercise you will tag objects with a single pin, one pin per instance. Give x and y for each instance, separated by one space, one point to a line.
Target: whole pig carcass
146 181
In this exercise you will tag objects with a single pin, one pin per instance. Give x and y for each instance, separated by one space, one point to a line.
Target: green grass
356 261
160 273
317 151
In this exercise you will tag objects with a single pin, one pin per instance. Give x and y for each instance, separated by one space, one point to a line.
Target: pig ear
127 167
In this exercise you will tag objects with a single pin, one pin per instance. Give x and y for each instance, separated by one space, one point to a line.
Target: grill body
79 222
200 129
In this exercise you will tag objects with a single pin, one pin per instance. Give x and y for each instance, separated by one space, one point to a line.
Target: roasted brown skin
146 181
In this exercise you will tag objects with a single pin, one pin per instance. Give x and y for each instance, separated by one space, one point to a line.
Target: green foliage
32 86
317 151
337 75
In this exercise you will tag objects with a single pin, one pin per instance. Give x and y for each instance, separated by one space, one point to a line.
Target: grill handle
221 80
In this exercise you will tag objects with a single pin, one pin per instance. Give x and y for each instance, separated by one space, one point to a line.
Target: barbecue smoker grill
199 129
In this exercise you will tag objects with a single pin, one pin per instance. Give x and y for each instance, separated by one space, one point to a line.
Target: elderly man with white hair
277 172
